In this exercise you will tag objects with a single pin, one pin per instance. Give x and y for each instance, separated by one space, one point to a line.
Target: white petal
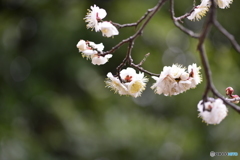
108 30
98 47
200 10
99 60
127 72
115 84
102 13
194 73
223 3
89 52
81 45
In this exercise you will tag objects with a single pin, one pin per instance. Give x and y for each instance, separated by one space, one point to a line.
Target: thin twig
185 15
177 24
128 59
227 34
143 70
153 11
227 101
144 59
202 52
138 66
136 23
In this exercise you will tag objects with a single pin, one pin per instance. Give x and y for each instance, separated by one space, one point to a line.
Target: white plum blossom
93 17
115 84
169 82
203 8
93 51
99 60
131 83
212 112
223 3
200 10
94 20
174 80
88 48
108 30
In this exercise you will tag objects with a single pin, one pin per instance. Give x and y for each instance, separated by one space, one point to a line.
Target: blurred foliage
54 104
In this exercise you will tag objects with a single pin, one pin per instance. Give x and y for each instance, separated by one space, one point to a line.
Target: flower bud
229 91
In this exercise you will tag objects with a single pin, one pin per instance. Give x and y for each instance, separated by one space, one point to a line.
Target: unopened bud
229 91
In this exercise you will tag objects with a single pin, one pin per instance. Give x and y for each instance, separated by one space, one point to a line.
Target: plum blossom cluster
93 51
203 8
128 83
89 49
94 20
174 79
212 111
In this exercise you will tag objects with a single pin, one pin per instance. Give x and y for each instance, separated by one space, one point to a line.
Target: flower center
208 108
97 17
128 78
191 74
177 79
105 30
136 87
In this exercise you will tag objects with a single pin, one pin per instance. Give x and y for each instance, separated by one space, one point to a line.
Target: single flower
115 84
172 81
108 30
131 83
223 3
199 11
88 48
93 17
212 112
93 51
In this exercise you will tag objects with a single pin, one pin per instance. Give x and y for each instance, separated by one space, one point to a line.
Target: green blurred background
54 104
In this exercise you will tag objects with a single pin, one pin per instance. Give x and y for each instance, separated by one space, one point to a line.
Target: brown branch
210 86
138 66
227 101
177 24
185 15
136 23
153 11
126 60
144 59
143 70
227 34
233 99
